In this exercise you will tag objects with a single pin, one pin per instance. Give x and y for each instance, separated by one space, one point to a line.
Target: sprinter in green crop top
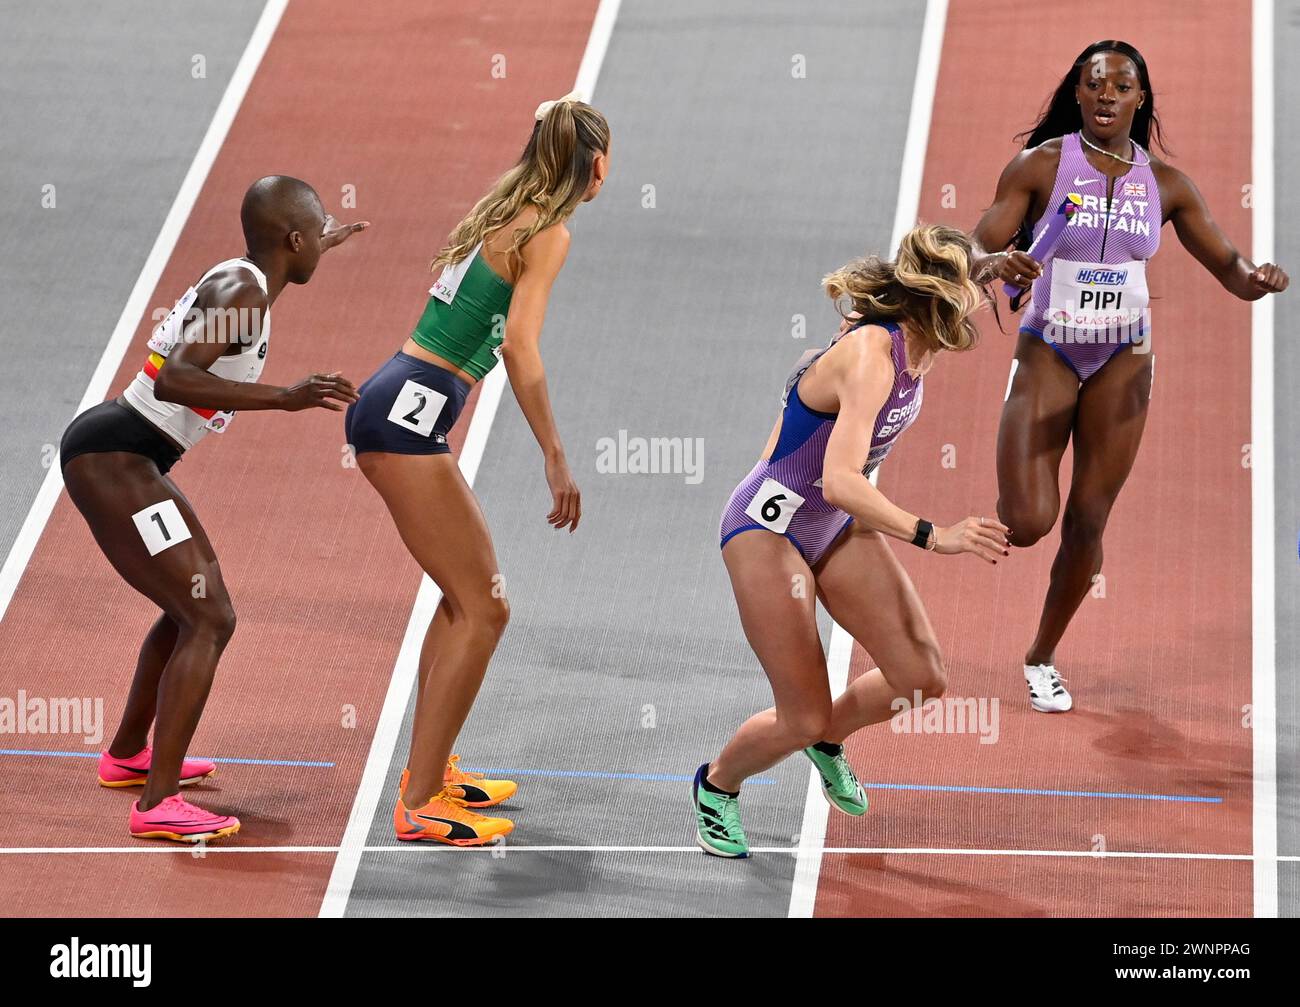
493 281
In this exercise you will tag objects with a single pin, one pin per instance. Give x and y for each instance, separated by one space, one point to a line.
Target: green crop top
465 319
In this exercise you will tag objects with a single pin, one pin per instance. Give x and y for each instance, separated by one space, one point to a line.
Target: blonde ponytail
552 175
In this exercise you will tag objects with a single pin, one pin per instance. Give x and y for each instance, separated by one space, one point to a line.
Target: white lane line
388 729
20 553
1263 549
593 57
508 849
812 834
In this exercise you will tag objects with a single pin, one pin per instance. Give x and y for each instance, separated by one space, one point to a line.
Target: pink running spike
177 819
134 771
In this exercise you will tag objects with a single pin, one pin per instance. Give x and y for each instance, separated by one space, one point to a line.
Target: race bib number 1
161 526
417 408
773 506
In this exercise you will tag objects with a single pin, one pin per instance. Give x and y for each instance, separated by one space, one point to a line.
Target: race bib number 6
774 505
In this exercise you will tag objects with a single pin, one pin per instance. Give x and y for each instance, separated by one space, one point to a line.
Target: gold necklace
1123 160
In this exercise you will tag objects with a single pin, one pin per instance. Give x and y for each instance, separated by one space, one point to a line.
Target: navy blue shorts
407 407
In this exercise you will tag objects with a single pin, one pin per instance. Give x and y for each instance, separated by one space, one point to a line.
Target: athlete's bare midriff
413 349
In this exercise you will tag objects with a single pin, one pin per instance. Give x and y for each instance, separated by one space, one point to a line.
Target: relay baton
1047 238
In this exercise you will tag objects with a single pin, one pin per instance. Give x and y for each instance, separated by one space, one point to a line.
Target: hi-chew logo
1095 277
75 960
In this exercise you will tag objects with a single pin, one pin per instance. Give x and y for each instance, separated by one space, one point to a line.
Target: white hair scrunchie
546 106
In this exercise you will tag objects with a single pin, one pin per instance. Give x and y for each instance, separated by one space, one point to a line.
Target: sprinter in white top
203 365
247 339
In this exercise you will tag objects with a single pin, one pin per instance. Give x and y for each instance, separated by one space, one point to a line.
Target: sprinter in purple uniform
1083 365
807 523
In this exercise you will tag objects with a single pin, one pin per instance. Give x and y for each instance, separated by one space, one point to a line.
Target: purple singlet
1091 300
783 493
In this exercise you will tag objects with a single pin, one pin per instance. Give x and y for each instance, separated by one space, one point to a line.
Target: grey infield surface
98 101
1286 420
667 322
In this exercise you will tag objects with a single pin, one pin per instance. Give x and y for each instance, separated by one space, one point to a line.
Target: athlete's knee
932 677
1083 527
219 624
1028 522
497 614
212 618
488 616
808 726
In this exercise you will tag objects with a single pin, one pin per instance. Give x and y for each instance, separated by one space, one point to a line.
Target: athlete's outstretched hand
1018 268
567 509
1269 279
318 391
335 233
986 537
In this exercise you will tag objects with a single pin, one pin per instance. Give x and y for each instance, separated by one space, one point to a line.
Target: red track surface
409 113
1161 668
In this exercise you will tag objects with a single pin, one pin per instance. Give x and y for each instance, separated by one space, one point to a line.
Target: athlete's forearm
853 493
1236 279
528 380
187 385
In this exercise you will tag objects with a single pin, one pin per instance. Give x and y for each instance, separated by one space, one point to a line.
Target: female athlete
1083 363
817 521
488 303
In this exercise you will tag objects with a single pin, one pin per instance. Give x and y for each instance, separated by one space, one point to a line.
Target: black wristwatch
924 529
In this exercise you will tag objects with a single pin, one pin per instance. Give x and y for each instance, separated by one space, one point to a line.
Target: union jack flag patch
1135 189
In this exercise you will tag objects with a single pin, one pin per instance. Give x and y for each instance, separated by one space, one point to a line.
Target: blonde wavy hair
552 174
929 284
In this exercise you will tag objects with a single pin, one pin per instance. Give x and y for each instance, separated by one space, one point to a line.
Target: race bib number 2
417 408
774 505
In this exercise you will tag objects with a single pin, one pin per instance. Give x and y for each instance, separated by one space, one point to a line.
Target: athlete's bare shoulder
1037 164
232 286
865 348
232 306
1175 185
1028 178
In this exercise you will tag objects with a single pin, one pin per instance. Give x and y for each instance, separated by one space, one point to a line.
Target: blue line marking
593 775
227 761
587 774
1027 792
